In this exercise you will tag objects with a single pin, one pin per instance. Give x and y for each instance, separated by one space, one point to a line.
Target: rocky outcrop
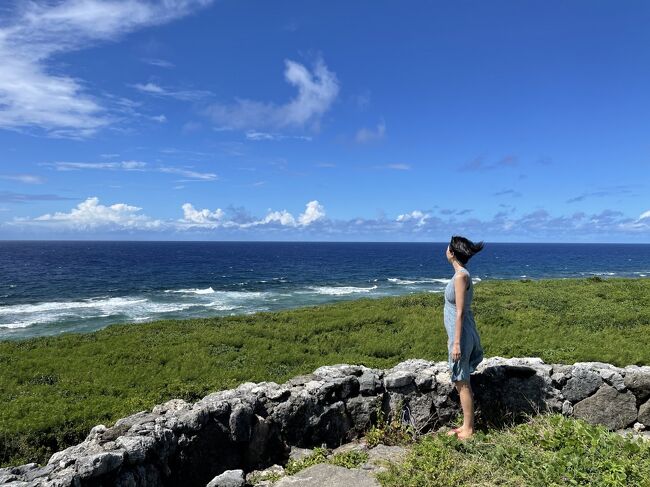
256 425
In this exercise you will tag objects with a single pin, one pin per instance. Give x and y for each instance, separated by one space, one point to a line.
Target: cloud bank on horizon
195 119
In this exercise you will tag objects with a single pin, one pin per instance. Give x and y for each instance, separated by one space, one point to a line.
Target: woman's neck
457 265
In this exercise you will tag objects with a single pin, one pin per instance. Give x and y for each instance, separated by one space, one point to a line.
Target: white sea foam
24 315
340 290
397 280
208 290
101 303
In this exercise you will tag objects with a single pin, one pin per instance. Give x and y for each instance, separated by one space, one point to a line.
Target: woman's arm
460 285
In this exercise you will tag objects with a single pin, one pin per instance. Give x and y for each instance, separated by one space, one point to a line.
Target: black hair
463 248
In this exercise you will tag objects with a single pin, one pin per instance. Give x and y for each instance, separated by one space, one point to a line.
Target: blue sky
511 121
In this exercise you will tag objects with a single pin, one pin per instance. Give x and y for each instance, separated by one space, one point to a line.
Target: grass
350 459
549 450
53 390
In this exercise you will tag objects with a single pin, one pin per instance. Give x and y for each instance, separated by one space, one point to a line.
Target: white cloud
75 166
193 175
537 225
192 217
639 225
202 217
282 217
313 212
255 135
417 216
366 135
317 90
160 63
135 166
90 214
185 95
32 94
23 178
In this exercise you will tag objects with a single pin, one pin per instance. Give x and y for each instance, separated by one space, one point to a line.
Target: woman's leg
467 403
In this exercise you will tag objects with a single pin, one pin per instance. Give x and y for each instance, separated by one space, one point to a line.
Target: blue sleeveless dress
471 352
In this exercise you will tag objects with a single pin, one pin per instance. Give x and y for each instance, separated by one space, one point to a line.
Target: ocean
53 287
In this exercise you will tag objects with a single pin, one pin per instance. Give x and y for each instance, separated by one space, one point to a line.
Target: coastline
85 315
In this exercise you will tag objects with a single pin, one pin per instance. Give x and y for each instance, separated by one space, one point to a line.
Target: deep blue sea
52 287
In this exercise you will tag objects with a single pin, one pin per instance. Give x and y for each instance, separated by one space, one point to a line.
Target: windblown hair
463 248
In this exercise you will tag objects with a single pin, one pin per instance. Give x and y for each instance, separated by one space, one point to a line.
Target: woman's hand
455 352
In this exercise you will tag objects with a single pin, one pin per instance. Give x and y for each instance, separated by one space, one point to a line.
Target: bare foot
453 431
464 434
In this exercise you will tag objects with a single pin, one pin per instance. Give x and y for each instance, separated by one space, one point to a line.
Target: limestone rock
608 407
639 383
400 378
326 475
583 383
644 414
230 478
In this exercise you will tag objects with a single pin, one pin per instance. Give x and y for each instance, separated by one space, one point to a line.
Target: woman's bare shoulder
463 276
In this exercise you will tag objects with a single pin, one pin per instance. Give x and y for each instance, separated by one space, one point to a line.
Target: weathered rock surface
230 478
326 475
257 425
608 407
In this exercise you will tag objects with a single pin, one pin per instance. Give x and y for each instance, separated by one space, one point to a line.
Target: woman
464 344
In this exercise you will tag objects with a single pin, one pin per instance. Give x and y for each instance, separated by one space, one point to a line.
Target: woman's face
450 256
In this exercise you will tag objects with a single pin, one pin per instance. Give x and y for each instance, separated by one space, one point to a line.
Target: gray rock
559 379
613 378
171 406
369 383
363 411
425 380
350 447
241 422
325 475
193 420
401 378
608 407
136 447
644 413
583 383
99 464
298 454
230 478
564 369
639 384
264 477
387 453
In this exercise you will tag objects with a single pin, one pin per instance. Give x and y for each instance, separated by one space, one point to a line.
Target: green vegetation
349 459
318 455
391 431
53 390
548 450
